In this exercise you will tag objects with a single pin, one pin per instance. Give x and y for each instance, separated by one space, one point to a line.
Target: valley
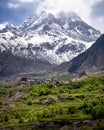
55 105
51 74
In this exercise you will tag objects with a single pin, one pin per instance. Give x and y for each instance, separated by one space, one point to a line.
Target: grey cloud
98 9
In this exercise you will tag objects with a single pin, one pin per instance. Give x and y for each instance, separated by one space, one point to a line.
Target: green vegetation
60 77
4 90
75 101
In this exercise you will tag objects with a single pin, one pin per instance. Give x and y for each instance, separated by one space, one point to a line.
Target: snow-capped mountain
91 61
44 36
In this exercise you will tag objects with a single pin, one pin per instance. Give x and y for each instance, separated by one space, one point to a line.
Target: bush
44 91
6 119
21 120
17 116
26 96
42 98
99 125
80 96
46 114
85 105
70 97
77 85
98 112
34 94
87 108
95 102
61 111
50 85
29 102
72 110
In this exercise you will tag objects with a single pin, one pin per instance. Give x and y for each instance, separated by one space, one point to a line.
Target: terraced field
76 105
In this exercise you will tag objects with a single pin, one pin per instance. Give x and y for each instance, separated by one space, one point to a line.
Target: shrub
72 110
77 85
98 112
95 102
71 98
6 118
44 91
17 116
99 126
21 120
61 111
55 91
42 98
46 114
87 108
50 85
26 96
80 96
34 94
29 102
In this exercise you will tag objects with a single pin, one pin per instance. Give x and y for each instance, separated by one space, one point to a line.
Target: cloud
27 1
98 9
98 23
84 8
15 11
81 7
91 11
13 5
97 15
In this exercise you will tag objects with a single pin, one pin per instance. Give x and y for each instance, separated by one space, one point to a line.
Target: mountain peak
42 14
69 15
91 60
4 25
49 37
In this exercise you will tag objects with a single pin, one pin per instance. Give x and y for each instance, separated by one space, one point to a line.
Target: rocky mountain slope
47 37
90 60
14 65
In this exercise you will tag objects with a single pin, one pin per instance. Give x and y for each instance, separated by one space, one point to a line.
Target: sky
16 11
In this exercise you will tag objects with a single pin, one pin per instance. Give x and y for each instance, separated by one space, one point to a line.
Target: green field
76 101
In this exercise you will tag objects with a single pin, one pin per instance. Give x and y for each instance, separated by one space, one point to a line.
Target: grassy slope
73 102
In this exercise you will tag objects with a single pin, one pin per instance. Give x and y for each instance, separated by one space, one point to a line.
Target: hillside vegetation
75 103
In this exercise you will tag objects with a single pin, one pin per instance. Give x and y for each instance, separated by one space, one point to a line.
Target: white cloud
98 23
13 6
26 1
78 6
82 7
19 3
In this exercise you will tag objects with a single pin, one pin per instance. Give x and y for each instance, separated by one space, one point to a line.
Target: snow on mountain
44 36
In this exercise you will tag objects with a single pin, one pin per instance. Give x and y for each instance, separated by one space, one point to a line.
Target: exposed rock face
44 36
90 60
11 64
